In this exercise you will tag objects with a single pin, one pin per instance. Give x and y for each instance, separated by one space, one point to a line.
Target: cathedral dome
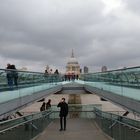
72 60
73 66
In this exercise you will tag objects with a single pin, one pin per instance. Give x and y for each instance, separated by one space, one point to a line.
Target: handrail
22 117
26 121
120 69
2 131
35 116
100 113
32 119
125 75
10 78
130 126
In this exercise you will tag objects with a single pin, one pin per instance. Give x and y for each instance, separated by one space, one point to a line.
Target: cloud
35 33
133 6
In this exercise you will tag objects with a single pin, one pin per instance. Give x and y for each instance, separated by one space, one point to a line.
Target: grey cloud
133 5
44 32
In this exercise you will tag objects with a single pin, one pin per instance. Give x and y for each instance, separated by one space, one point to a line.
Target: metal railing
16 84
128 77
124 82
27 127
118 127
14 79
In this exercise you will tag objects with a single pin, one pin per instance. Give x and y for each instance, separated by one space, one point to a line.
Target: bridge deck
77 129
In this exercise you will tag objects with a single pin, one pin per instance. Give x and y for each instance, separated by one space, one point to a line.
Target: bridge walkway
77 129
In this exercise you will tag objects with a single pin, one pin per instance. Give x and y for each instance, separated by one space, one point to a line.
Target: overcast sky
36 33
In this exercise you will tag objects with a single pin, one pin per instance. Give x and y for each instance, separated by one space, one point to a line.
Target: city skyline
37 33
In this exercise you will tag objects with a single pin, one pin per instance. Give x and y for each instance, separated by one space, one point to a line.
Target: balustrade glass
125 82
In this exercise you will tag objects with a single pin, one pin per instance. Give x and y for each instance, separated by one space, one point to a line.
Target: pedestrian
15 75
43 107
56 76
63 113
56 71
48 104
9 76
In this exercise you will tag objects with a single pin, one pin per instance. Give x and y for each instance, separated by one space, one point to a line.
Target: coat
63 109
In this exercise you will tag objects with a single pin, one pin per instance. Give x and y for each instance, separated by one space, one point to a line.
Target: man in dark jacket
63 113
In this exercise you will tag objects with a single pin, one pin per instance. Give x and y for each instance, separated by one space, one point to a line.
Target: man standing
63 113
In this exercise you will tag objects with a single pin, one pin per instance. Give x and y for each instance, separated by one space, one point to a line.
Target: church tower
72 67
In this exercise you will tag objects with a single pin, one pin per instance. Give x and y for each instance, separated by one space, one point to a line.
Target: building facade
72 67
85 69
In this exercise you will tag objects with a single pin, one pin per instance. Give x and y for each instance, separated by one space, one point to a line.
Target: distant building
72 67
104 69
85 69
23 69
80 70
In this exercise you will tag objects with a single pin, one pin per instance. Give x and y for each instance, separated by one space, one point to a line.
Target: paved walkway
77 129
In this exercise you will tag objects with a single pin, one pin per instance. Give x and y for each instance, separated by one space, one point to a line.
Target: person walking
63 113
48 104
43 107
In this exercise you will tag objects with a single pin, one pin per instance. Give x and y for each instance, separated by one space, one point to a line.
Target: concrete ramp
77 129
